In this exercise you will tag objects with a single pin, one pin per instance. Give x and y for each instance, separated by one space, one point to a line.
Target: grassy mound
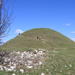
39 38
60 51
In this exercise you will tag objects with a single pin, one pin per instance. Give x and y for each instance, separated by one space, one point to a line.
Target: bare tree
4 19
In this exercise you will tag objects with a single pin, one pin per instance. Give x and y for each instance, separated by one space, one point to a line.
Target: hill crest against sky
58 15
39 38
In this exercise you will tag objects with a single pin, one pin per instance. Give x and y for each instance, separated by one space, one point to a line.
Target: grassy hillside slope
59 55
39 38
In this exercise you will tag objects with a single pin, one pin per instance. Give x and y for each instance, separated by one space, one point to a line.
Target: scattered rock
13 61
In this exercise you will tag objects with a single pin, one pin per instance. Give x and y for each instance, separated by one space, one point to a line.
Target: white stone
18 52
29 62
35 55
70 65
40 52
42 73
40 63
1 67
29 55
36 51
60 70
5 68
22 55
13 74
21 70
29 66
12 67
65 65
8 69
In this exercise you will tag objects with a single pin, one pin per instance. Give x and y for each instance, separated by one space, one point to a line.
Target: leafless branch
4 19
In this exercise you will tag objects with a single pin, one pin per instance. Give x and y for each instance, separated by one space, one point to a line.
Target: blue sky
55 14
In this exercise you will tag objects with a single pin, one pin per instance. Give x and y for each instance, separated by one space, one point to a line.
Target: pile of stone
21 60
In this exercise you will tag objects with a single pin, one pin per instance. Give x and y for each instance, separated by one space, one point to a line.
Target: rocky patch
21 61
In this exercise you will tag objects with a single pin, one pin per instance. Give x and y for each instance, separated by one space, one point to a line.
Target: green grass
60 56
47 39
57 62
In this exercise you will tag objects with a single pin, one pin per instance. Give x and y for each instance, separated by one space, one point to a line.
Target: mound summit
39 38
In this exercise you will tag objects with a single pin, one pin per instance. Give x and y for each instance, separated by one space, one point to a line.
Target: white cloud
67 24
73 32
19 31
